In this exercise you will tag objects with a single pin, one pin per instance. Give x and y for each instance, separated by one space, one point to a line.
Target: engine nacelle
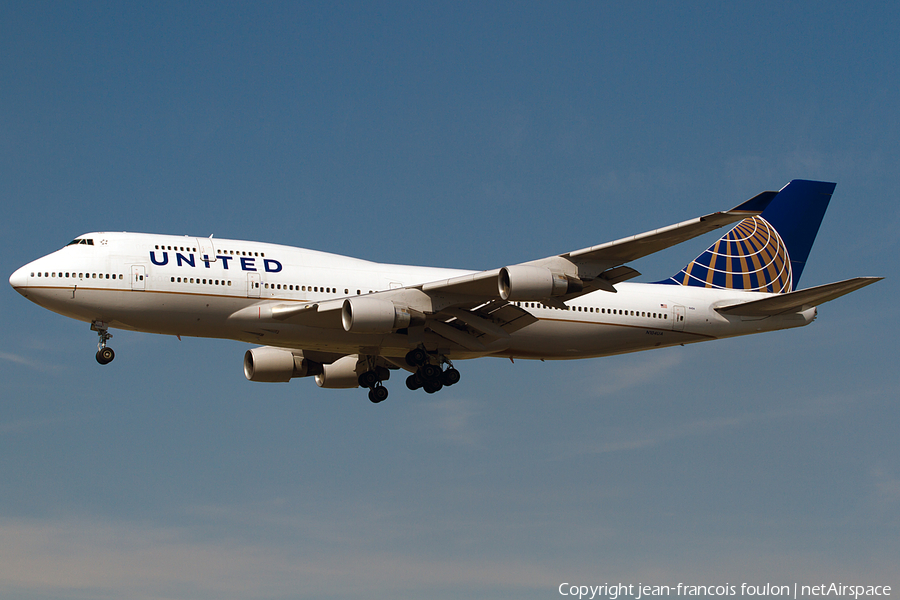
373 315
339 374
277 365
526 282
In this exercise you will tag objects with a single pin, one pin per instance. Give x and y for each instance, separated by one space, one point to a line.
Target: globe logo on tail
751 257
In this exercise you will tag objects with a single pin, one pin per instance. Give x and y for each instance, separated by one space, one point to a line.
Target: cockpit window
84 241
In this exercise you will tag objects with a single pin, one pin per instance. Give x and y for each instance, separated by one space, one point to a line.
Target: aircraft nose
19 280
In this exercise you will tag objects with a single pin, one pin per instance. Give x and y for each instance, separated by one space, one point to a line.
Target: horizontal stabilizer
797 301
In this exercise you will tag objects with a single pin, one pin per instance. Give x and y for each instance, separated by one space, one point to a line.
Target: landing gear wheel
368 379
450 376
416 357
413 382
105 355
378 394
432 387
430 372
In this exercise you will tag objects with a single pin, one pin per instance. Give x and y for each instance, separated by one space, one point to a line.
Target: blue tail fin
765 253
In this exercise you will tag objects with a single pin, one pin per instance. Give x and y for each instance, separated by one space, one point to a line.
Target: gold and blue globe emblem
752 257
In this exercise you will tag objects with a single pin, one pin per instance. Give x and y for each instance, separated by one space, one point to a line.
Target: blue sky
458 135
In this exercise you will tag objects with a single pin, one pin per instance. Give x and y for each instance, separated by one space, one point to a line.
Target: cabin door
253 280
678 313
137 278
207 249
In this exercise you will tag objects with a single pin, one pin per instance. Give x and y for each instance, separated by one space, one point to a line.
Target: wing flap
325 314
797 301
483 283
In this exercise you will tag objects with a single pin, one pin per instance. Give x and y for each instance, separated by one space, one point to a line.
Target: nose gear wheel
105 355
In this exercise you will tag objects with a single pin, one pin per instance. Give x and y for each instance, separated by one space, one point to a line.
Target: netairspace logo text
639 591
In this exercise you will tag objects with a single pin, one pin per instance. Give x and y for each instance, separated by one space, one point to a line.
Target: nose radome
19 279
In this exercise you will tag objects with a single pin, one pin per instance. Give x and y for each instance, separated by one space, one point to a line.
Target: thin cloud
620 441
124 559
25 425
20 360
635 441
640 371
885 491
450 419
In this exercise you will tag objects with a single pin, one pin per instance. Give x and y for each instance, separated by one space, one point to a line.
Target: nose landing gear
105 354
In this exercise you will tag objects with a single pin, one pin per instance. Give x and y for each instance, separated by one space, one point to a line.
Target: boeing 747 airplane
349 322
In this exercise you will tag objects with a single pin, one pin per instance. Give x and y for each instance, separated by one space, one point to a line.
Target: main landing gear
428 376
373 379
105 354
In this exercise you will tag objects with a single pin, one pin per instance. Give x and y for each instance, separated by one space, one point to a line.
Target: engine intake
339 374
277 365
525 282
374 315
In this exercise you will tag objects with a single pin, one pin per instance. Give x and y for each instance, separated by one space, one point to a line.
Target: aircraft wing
600 267
474 310
797 301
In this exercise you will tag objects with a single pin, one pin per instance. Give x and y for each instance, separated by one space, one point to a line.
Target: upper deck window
83 241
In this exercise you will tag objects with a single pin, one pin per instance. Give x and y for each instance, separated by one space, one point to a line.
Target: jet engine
339 374
526 282
277 365
374 315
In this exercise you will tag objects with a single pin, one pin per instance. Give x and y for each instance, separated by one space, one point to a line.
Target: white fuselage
170 285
